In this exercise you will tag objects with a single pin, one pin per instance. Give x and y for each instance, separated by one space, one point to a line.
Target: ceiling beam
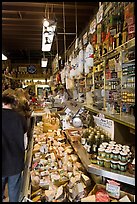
42 13
80 5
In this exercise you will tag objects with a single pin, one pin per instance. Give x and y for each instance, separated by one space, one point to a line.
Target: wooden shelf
124 177
124 120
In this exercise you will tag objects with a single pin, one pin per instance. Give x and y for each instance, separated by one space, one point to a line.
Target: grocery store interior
74 64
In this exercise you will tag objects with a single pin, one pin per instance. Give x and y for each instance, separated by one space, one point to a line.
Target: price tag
113 190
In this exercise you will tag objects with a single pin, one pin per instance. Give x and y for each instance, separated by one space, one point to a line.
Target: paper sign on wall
106 124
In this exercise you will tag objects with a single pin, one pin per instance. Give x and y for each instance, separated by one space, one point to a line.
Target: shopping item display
56 172
100 74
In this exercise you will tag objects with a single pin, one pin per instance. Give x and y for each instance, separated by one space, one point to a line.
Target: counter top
128 121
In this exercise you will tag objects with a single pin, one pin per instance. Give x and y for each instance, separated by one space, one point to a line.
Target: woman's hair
8 99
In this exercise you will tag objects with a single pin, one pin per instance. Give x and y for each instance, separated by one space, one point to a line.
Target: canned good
107 163
105 144
123 156
115 155
122 166
110 146
112 142
100 161
114 164
125 147
101 152
108 153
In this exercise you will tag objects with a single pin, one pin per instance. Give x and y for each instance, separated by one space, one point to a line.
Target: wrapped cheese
49 194
86 180
91 198
59 192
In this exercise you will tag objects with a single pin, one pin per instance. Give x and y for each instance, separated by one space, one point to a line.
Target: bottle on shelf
95 145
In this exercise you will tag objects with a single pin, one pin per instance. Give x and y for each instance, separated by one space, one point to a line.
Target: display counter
124 177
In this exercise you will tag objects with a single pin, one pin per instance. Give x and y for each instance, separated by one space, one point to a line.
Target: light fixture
4 57
44 62
46 22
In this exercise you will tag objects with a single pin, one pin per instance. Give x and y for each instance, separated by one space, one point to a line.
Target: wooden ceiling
22 27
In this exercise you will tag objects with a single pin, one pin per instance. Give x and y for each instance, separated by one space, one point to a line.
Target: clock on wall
31 69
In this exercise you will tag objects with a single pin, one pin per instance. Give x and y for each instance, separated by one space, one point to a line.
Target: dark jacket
14 125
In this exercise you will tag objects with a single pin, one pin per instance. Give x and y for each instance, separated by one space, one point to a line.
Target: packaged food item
101 152
102 196
107 163
123 156
122 166
108 154
115 155
125 199
100 161
114 164
91 198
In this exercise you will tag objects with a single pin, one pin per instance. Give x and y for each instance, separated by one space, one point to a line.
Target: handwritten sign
106 124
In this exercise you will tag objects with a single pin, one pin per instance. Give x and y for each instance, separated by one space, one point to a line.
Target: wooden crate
122 193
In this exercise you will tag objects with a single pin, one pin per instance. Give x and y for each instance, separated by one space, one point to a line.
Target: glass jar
101 152
100 161
122 166
112 142
114 164
123 156
125 147
108 154
111 146
107 163
105 144
115 155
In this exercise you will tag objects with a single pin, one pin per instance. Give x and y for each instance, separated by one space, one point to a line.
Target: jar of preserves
112 142
108 154
122 166
107 163
115 155
105 144
101 152
123 156
100 161
114 164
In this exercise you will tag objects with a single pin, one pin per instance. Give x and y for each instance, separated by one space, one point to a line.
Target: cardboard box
122 193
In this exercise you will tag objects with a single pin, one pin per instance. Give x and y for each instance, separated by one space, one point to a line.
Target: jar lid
108 151
101 149
123 153
122 163
120 145
114 162
115 151
112 142
105 143
111 146
107 160
117 148
99 158
125 147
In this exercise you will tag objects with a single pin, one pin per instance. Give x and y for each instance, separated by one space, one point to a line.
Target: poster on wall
106 124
